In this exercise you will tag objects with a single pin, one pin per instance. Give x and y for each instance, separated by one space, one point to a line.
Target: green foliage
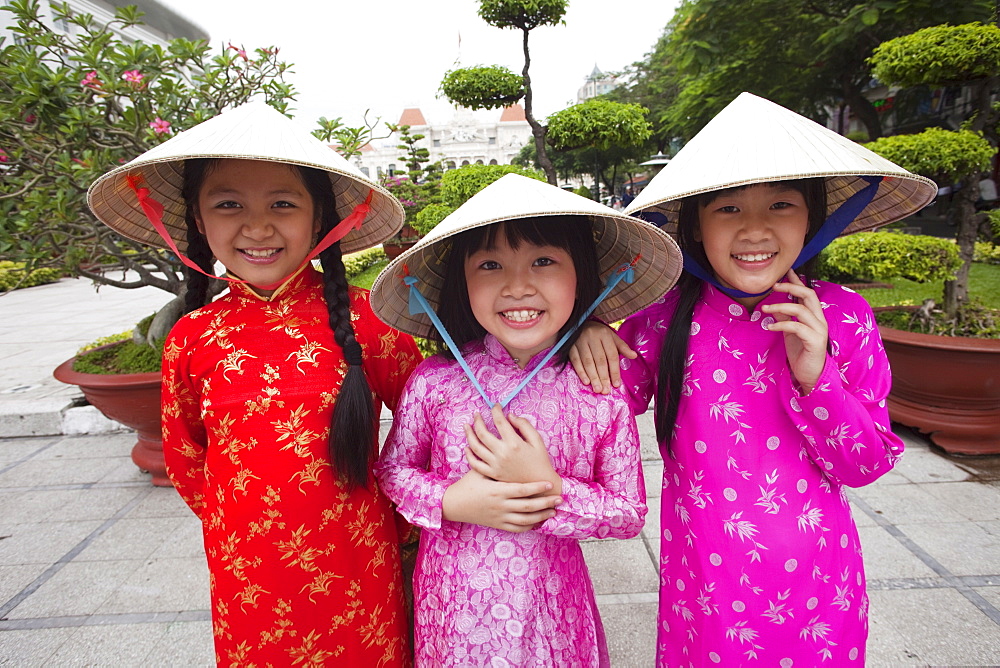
122 358
883 256
522 14
430 216
993 216
599 124
972 320
939 55
943 155
984 286
458 185
14 275
584 191
986 253
357 263
348 140
482 87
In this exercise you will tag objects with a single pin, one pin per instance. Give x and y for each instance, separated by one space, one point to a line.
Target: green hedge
13 276
883 256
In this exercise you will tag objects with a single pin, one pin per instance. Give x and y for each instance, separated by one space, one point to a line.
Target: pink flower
240 51
30 118
91 81
3 156
133 76
160 126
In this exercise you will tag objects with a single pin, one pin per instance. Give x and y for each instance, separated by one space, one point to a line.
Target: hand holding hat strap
154 213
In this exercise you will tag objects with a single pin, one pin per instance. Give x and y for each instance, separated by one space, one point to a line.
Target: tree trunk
956 292
864 109
536 128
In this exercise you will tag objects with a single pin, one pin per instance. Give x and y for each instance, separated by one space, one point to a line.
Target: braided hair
354 428
673 355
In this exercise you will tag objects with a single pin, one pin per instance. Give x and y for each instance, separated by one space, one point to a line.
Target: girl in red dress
271 393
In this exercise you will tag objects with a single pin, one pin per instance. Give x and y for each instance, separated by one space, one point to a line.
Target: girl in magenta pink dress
769 390
497 584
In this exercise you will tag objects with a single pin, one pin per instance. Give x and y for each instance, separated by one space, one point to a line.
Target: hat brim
253 131
620 240
754 140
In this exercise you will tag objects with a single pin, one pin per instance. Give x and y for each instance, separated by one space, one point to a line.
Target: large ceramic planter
133 400
947 387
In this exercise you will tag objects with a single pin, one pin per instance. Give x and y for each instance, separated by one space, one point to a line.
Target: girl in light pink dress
769 390
500 578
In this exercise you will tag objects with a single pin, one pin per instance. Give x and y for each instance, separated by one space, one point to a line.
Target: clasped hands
512 484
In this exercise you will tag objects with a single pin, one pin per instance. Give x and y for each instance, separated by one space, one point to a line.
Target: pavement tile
620 566
162 502
37 472
187 644
974 501
34 648
161 585
185 542
886 558
631 632
963 549
90 446
920 464
132 539
113 645
42 543
939 627
906 504
13 579
78 588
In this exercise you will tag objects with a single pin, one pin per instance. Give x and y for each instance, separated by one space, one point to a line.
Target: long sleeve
644 332
402 469
845 420
184 439
610 502
389 356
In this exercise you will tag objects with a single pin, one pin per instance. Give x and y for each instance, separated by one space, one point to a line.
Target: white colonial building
598 83
469 138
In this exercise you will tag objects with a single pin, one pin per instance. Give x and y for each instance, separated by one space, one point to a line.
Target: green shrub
584 191
430 216
359 262
14 276
124 357
986 253
882 256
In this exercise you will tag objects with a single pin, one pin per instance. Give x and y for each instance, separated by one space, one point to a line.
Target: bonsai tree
419 188
966 55
604 130
74 106
495 87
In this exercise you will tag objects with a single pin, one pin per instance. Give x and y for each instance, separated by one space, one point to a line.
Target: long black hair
354 428
673 355
574 234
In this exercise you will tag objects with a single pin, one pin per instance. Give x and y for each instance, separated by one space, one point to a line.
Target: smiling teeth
521 316
756 257
253 252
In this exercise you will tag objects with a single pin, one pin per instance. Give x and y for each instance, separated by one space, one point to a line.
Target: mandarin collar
496 352
305 277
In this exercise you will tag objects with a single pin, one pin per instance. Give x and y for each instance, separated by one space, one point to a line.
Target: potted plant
74 105
953 393
944 370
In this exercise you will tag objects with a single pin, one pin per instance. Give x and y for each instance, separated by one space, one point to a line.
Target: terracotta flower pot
947 387
133 400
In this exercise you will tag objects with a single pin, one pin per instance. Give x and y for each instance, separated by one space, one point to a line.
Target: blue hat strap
418 304
838 221
832 227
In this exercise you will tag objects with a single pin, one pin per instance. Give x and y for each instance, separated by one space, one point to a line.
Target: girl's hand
516 507
518 455
595 354
805 330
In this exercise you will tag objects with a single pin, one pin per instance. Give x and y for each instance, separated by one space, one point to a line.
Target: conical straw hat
619 239
754 140
252 131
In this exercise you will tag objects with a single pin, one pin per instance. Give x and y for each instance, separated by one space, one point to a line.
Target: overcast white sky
386 55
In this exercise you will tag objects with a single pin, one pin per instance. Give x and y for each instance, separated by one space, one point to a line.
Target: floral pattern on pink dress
760 562
487 597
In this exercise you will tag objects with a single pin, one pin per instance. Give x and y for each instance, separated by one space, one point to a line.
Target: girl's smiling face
753 235
258 218
523 297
